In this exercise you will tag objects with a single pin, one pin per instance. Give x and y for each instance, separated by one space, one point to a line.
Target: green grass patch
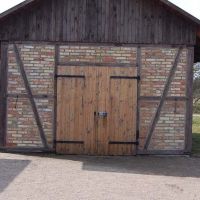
196 134
196 108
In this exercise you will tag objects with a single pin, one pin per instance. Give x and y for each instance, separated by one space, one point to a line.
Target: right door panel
122 115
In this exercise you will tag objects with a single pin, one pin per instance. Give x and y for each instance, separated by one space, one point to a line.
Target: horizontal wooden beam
69 76
37 96
39 42
158 98
88 64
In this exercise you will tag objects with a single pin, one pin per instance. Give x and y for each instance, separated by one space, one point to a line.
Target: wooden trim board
100 44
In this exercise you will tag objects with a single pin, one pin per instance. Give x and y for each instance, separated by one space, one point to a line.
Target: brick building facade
39 62
97 77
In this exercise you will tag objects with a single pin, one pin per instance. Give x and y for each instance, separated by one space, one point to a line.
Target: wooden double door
96 110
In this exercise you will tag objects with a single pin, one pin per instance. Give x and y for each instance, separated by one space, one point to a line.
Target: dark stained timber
3 92
102 21
189 103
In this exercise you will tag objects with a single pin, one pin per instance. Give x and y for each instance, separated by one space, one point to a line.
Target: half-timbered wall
154 65
169 131
103 21
39 65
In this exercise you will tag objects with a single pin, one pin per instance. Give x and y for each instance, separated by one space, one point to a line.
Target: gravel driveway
50 177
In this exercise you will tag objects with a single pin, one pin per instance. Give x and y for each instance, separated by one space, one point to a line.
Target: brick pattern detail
169 133
100 54
39 66
39 63
15 82
170 130
156 65
178 86
22 130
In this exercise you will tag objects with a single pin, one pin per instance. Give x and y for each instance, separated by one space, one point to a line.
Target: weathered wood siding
197 51
103 21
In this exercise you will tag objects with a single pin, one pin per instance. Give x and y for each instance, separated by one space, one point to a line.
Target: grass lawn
196 134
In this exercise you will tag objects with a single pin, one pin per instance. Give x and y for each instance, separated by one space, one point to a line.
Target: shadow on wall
9 169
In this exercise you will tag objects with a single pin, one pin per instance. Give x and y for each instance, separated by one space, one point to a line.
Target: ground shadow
9 169
196 143
178 166
165 166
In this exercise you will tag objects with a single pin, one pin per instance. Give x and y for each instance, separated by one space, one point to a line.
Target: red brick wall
156 64
98 54
169 133
39 65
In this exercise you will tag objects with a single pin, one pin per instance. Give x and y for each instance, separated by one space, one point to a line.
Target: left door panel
75 111
70 137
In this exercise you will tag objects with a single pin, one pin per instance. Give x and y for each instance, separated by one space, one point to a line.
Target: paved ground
25 177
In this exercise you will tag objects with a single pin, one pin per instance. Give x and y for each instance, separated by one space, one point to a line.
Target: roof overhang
166 2
181 11
16 8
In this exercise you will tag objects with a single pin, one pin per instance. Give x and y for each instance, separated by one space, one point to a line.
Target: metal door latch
102 114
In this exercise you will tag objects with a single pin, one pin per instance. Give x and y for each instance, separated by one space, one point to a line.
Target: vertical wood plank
138 21
102 106
90 118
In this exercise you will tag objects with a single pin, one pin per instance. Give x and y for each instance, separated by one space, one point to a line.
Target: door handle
102 114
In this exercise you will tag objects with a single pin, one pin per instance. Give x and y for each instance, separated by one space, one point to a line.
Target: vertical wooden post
138 95
57 53
189 103
3 92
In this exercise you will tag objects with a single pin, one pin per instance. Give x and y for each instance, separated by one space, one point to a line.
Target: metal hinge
137 134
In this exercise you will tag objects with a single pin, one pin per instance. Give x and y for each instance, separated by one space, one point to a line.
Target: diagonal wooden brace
163 98
30 96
